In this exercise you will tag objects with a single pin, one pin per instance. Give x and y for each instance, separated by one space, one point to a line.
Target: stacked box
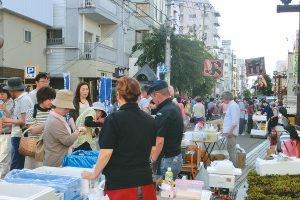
69 186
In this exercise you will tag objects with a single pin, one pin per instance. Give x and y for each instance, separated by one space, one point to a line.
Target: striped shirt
40 118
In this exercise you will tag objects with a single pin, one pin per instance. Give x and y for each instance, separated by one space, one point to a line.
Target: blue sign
105 90
163 69
30 72
67 81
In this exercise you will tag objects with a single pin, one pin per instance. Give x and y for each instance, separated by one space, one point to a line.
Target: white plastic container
86 185
221 181
10 191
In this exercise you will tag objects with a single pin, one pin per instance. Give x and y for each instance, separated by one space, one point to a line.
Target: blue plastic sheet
70 186
82 159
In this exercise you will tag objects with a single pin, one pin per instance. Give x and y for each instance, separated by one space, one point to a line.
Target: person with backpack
36 118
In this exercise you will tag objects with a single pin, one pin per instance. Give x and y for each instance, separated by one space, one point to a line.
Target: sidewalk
240 190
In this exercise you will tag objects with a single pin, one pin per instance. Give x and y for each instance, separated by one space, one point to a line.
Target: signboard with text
31 71
213 68
255 66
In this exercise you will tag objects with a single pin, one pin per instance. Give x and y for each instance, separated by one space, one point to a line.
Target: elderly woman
57 135
125 142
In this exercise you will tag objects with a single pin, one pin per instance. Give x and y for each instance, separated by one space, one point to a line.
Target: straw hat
99 106
64 99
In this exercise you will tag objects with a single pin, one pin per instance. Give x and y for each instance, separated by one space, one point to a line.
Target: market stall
259 126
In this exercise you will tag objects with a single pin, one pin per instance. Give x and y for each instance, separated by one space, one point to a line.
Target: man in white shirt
145 100
231 124
41 80
23 104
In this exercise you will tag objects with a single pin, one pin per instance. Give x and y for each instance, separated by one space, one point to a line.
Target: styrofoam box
259 118
257 132
221 181
272 167
86 185
10 191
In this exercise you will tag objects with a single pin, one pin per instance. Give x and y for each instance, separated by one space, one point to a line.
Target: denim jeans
174 162
17 160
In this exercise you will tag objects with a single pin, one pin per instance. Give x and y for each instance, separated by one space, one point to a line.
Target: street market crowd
140 136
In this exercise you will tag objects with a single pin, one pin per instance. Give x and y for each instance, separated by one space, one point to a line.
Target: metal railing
88 3
55 41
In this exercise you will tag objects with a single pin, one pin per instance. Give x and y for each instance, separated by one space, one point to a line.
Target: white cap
169 169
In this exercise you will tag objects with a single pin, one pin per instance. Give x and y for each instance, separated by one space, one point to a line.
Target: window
140 35
191 28
192 16
143 9
54 36
27 36
97 38
204 15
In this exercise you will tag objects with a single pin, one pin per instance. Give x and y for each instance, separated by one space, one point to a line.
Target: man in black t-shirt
170 130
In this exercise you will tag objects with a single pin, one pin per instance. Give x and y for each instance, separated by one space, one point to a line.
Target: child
89 119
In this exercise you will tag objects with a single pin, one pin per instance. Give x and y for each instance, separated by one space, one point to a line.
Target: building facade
87 40
23 25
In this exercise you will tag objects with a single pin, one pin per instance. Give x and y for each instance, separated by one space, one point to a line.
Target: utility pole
168 40
293 8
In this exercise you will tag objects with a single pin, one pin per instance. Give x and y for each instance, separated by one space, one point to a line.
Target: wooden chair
192 160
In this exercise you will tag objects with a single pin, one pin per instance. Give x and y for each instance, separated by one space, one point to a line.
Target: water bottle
169 174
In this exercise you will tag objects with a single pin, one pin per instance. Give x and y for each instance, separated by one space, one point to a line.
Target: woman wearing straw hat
57 136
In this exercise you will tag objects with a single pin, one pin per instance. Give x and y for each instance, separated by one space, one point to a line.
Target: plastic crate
69 186
82 159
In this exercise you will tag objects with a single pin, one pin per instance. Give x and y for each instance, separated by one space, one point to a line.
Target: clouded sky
257 30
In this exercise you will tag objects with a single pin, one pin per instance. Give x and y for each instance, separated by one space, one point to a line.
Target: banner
67 80
295 71
255 66
105 89
261 81
213 68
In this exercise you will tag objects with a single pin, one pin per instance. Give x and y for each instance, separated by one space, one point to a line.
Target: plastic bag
203 176
80 158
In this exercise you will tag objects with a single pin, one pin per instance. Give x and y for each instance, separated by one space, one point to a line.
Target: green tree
265 90
247 94
188 55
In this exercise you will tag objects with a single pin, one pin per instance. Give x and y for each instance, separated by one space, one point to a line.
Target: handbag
40 152
27 145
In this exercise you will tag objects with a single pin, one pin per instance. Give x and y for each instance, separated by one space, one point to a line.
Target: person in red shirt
181 106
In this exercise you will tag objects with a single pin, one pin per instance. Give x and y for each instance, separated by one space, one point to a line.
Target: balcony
55 41
102 11
99 52
217 14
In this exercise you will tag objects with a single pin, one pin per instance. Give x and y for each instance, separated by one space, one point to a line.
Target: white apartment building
199 19
229 58
87 40
243 79
147 14
23 25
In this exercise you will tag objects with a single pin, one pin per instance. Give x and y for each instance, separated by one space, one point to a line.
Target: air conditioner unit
48 51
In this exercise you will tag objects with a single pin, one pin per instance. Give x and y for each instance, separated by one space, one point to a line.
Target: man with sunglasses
169 121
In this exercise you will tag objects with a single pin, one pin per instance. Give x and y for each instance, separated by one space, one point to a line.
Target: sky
257 30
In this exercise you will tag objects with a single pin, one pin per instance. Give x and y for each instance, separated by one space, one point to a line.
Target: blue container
82 159
69 186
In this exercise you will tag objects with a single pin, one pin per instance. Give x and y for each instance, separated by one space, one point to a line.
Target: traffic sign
163 69
31 71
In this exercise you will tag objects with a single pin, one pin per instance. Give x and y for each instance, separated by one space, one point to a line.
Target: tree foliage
247 94
188 55
266 91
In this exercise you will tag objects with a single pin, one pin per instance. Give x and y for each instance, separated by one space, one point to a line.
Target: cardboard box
271 150
241 160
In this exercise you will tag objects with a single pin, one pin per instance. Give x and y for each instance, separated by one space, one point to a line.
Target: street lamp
279 76
293 8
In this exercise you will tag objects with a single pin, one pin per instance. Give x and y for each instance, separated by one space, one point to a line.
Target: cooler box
69 186
221 181
9 191
82 159
86 185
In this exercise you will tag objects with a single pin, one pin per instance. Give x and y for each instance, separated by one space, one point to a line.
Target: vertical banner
295 71
67 80
213 68
255 66
105 89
